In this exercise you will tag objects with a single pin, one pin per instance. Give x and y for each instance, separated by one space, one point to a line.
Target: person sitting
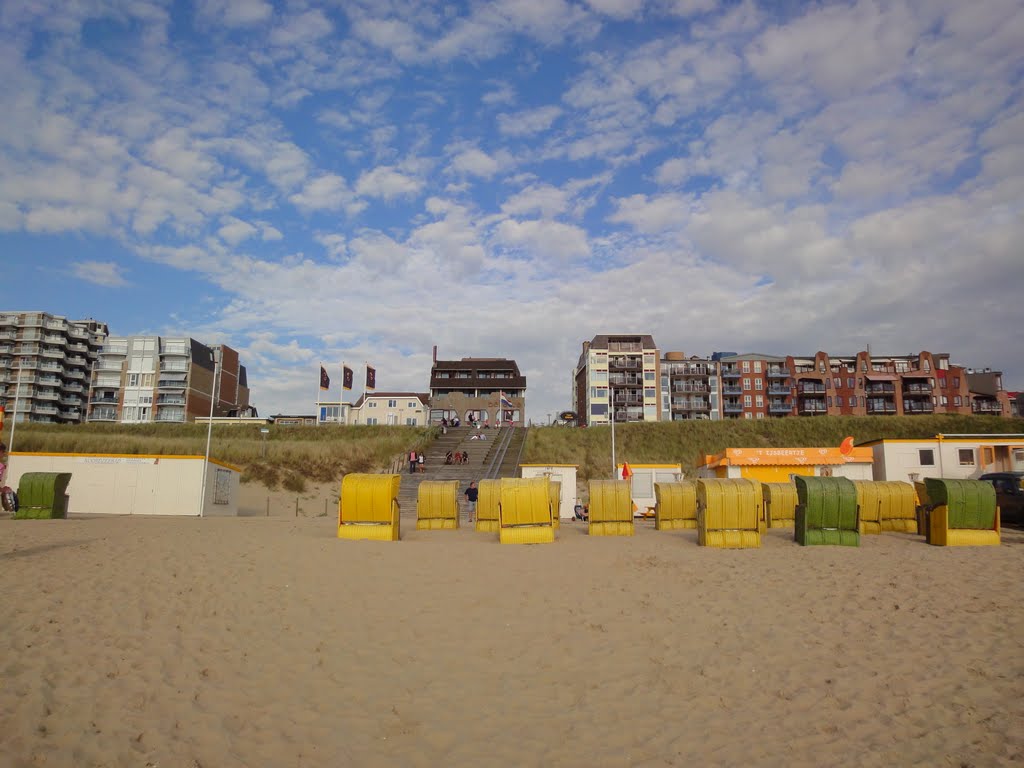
458 457
448 458
465 456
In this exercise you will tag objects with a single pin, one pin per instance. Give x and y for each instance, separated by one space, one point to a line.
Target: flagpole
341 405
14 416
209 434
319 389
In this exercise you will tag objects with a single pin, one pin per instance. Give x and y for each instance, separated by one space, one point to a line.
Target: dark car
1009 495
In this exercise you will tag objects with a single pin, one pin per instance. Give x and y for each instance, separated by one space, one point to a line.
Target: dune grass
687 442
295 455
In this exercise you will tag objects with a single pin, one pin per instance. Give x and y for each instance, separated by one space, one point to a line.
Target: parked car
1009 495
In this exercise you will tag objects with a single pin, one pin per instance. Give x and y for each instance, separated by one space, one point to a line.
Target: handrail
498 455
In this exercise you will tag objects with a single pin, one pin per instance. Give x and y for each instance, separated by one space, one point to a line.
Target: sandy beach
265 641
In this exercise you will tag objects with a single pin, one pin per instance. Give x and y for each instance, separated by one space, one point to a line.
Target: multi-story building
866 384
617 376
486 388
689 387
140 379
985 388
393 408
44 365
754 386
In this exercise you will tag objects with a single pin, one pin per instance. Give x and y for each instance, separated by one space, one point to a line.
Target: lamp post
209 434
611 415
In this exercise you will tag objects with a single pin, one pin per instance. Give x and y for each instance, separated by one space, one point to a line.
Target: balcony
74 373
987 409
688 370
777 389
56 325
690 386
74 387
916 389
47 394
83 348
730 372
170 416
169 384
913 407
624 399
732 407
45 409
103 414
812 409
53 353
777 373
880 407
626 381
100 399
810 388
732 389
174 366
72 401
76 360
51 338
622 364
779 406
170 400
880 389
620 416
77 332
72 414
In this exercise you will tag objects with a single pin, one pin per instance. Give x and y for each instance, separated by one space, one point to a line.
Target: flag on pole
325 380
346 377
371 378
505 402
627 472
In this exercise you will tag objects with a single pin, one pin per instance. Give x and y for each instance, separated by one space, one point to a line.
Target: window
598 392
651 393
746 383
412 404
830 401
746 401
945 400
926 457
371 420
759 401
133 380
410 421
853 401
956 382
758 383
862 401
957 401
746 366
838 382
849 383
371 404
392 403
748 415
443 375
600 376
649 376
760 414
462 375
599 409
966 456
757 366
821 367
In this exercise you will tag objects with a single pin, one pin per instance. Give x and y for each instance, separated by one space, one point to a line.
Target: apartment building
881 385
617 376
690 387
143 379
754 386
45 362
486 388
988 398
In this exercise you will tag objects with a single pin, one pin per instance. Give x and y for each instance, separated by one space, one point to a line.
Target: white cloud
528 121
106 273
235 13
327 192
544 239
234 231
301 28
617 9
387 183
475 162
651 215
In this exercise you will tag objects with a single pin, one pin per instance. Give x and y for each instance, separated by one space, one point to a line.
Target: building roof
752 356
423 397
601 340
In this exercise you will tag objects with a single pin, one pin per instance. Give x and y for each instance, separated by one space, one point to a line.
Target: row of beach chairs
727 513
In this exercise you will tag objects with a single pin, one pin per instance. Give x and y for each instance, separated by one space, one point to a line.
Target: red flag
371 378
346 378
325 380
626 471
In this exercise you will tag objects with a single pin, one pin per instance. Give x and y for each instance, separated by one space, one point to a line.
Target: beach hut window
966 457
927 457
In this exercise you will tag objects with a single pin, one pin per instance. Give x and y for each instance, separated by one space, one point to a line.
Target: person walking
471 496
412 462
420 461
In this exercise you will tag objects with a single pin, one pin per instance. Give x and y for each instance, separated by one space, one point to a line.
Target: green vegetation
687 442
295 455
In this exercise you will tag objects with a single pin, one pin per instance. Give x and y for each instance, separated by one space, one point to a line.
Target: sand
265 641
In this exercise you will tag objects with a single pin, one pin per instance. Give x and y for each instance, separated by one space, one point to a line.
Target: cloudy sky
363 179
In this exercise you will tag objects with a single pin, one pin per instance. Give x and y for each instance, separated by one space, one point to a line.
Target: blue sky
361 180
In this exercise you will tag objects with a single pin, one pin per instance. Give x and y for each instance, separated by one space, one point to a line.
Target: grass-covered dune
687 442
325 454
